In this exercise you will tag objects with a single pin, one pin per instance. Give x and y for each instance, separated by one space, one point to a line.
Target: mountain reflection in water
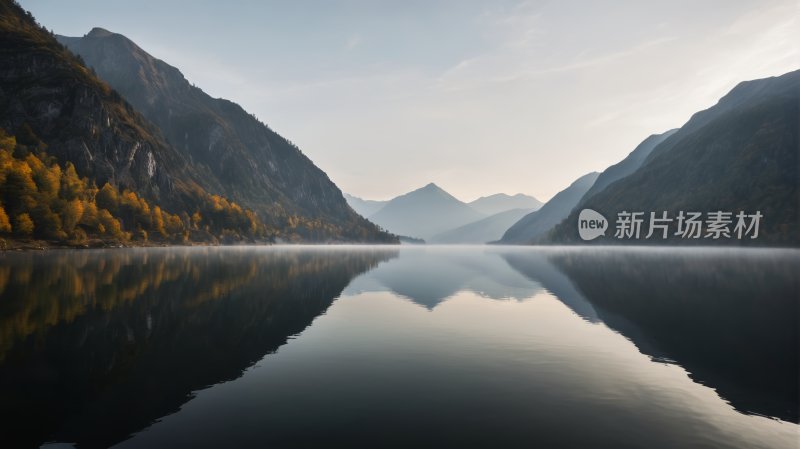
729 317
96 346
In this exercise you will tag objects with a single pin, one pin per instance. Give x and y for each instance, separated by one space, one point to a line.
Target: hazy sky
478 97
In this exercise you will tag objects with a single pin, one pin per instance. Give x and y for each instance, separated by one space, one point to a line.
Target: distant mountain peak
500 202
424 212
99 32
433 189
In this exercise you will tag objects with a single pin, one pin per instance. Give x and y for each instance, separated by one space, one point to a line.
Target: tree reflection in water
98 345
103 343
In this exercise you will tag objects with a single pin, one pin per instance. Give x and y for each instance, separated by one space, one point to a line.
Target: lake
411 346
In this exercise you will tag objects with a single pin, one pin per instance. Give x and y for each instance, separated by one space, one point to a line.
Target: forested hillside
240 155
72 145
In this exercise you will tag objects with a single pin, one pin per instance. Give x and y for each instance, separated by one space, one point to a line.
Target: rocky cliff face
207 147
248 161
81 122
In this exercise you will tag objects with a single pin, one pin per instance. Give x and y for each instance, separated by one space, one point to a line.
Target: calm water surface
399 347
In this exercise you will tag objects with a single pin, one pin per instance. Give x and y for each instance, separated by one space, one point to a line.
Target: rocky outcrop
250 163
207 147
78 125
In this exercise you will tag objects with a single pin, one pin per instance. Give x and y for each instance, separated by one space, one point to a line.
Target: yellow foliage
157 223
72 214
7 143
48 223
174 225
90 192
145 209
140 234
89 215
24 225
18 187
108 199
129 201
36 189
5 225
72 187
216 202
47 180
110 225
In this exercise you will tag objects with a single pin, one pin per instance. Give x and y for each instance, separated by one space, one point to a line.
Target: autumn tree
90 215
7 143
110 226
108 199
73 211
197 219
157 221
23 225
5 224
72 187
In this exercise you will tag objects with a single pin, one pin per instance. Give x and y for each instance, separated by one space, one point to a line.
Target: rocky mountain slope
83 121
745 94
555 210
489 229
500 202
424 213
745 159
626 166
239 156
80 118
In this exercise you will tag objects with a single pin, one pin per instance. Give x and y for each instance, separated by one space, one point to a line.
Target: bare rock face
250 163
218 149
79 126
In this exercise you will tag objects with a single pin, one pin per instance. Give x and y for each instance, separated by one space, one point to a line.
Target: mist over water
400 346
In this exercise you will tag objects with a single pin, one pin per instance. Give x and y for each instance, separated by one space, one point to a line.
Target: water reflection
96 345
429 276
729 317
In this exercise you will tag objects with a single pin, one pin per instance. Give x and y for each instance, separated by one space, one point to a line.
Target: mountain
501 202
745 94
235 311
555 210
53 114
627 166
365 208
232 152
424 213
489 229
746 159
440 273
